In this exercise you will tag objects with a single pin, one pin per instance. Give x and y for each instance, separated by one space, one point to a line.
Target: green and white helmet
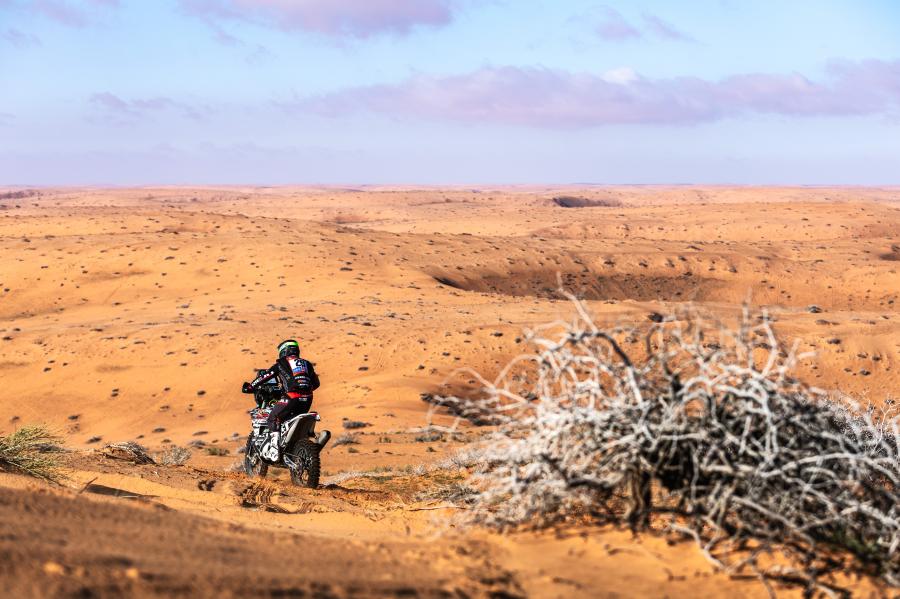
288 348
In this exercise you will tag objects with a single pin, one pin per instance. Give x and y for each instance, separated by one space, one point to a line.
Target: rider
298 380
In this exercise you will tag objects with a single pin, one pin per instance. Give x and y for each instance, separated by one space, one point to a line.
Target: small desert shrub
347 439
430 437
128 451
32 450
217 451
417 470
703 429
352 424
455 491
174 456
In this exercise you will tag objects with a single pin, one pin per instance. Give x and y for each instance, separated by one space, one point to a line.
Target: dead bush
346 439
128 451
174 456
699 427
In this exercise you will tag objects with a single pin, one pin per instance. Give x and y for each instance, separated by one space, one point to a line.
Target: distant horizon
433 91
462 186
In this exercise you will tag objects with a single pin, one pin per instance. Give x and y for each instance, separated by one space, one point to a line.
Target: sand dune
135 314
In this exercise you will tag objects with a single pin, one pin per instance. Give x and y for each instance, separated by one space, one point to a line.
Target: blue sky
449 91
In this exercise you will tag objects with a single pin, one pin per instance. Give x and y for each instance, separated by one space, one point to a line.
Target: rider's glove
247 388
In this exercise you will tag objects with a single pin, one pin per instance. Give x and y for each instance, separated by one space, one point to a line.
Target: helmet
288 348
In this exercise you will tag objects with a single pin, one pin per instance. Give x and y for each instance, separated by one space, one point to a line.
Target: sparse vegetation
217 451
429 437
174 456
455 491
703 430
128 451
353 424
346 439
32 450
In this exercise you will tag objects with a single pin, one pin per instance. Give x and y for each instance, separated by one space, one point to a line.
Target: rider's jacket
296 376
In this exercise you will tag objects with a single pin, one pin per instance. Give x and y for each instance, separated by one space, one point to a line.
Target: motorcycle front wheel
254 467
305 453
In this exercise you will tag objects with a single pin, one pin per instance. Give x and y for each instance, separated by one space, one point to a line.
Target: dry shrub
346 439
700 428
429 436
128 451
174 456
32 450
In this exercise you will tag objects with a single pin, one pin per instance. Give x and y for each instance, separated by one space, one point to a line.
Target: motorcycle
299 445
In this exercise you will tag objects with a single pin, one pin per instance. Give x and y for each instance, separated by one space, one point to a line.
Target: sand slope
181 531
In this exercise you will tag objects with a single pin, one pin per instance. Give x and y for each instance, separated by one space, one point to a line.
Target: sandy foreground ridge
135 314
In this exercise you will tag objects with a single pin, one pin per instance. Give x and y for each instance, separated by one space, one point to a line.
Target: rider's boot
272 447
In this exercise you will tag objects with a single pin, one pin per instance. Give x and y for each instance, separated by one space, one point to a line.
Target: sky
349 92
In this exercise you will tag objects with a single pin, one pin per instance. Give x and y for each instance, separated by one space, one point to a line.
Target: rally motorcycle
299 446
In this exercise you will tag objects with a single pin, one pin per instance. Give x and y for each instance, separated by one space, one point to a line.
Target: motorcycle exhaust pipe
322 439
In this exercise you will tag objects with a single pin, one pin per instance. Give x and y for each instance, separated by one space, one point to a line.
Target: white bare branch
703 424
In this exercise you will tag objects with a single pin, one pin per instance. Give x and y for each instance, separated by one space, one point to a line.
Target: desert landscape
134 314
458 299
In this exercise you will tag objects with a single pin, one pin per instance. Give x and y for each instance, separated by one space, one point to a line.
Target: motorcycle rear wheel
306 453
254 467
